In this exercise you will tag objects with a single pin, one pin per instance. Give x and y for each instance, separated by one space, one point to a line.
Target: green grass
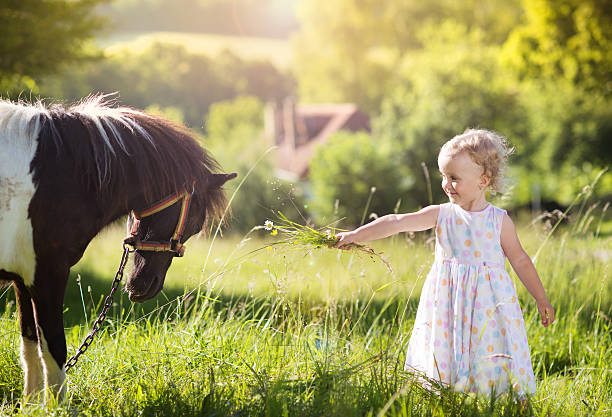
293 332
274 50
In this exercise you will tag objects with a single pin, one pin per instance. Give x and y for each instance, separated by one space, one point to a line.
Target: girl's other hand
344 240
547 313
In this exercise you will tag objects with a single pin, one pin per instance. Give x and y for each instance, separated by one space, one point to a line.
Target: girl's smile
463 181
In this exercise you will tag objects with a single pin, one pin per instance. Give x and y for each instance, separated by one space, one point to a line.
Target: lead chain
107 304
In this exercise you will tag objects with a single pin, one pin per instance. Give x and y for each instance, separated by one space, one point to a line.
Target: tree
236 126
572 129
39 37
562 53
569 40
351 50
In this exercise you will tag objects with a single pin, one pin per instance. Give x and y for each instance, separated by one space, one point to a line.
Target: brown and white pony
66 173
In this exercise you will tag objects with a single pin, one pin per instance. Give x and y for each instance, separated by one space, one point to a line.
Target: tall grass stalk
582 197
367 206
82 299
428 182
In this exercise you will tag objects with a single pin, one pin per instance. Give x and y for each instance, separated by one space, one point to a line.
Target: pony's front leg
47 302
34 382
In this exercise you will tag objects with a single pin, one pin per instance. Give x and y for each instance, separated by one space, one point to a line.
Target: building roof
300 129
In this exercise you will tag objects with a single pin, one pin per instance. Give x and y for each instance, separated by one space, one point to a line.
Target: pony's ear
217 180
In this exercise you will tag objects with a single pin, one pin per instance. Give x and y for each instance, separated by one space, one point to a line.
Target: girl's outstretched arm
522 265
391 224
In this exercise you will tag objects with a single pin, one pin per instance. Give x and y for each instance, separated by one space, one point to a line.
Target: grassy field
276 51
243 330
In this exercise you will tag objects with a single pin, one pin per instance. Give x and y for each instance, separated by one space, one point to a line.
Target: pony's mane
111 145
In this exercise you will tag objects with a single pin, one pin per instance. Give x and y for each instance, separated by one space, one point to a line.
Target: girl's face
463 180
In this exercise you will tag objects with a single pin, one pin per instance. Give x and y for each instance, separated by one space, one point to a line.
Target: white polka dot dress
469 330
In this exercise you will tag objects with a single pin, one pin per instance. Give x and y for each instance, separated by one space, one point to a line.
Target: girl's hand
344 240
547 313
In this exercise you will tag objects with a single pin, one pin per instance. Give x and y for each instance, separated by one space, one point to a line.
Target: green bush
346 170
570 130
261 196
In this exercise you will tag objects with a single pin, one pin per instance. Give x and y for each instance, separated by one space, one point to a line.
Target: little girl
469 331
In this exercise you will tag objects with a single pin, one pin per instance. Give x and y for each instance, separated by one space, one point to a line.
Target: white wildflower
268 225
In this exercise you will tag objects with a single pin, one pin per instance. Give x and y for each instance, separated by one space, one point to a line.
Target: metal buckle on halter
177 248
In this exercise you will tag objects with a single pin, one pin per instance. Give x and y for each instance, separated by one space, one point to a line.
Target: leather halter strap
174 244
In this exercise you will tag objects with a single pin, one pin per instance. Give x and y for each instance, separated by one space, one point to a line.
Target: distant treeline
168 76
264 18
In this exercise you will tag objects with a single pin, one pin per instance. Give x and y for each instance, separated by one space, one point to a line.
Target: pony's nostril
133 297
136 289
138 283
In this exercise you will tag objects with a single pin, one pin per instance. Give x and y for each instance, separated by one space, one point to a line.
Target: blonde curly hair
488 149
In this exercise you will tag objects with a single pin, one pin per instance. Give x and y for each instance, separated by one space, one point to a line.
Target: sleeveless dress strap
442 213
499 219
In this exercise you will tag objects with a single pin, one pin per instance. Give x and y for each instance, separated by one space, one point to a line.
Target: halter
174 244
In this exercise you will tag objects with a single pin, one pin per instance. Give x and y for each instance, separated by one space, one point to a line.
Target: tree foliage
348 169
562 55
570 40
169 76
39 37
349 50
265 18
233 123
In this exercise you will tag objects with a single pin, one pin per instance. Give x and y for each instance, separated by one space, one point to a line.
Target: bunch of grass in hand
298 234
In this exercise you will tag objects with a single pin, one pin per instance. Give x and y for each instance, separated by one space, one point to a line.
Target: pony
66 172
